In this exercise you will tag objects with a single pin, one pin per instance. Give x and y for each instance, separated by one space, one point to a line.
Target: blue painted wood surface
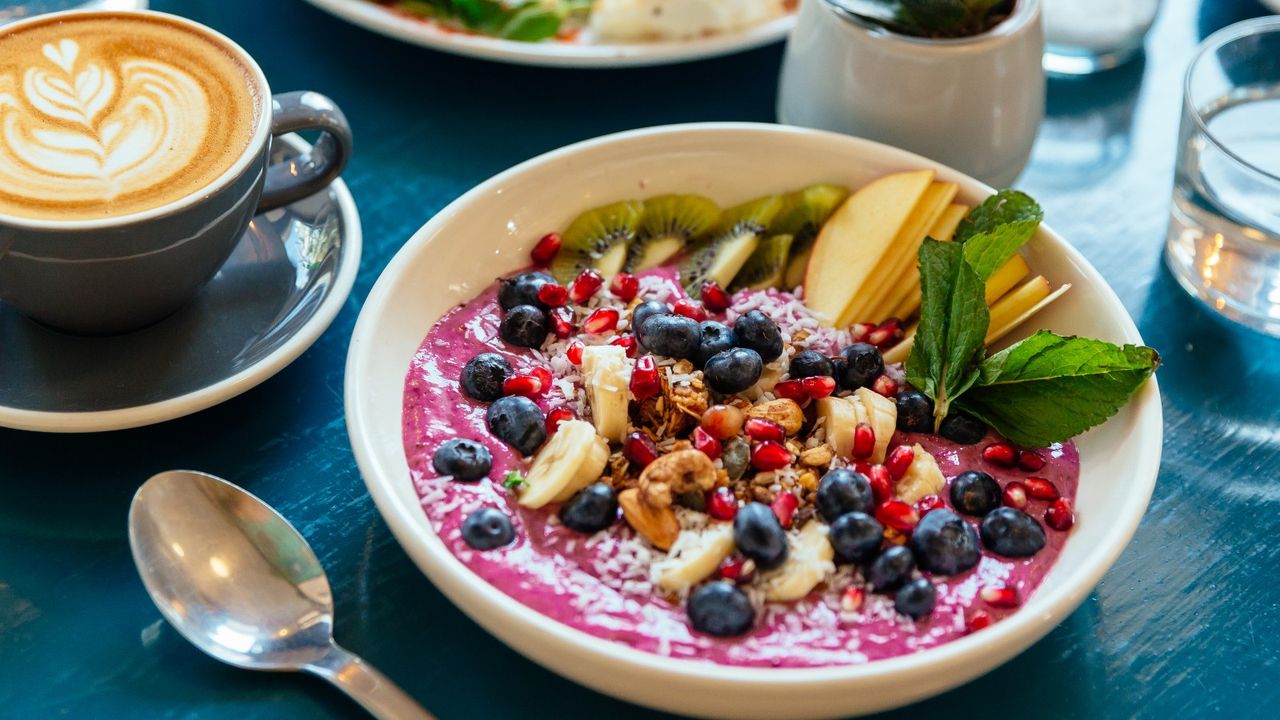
1187 622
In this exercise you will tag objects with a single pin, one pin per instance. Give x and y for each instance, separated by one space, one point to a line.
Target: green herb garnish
514 481
932 18
524 20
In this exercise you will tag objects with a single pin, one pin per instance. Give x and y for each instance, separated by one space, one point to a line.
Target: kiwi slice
765 266
597 239
722 252
802 216
668 224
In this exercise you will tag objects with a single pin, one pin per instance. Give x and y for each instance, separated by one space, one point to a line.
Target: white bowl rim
413 531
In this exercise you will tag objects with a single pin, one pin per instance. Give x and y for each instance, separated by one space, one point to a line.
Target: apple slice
854 240
1006 278
876 300
907 296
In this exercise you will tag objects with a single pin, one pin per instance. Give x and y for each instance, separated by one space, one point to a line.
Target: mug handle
301 176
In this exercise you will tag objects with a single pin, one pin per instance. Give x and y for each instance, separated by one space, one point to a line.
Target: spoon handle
361 682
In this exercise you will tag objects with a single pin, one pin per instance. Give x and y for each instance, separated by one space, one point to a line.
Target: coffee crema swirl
103 115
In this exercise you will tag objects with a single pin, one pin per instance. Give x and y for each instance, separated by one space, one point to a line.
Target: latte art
104 117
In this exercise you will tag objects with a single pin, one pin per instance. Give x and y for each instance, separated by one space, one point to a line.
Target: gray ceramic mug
113 275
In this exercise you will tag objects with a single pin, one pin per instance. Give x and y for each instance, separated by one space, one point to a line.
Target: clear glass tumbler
12 10
1087 36
1224 235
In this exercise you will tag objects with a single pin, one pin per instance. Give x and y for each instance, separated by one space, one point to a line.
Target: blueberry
646 310
522 289
856 537
720 609
963 429
810 364
915 411
591 510
733 371
483 375
716 338
893 568
758 535
943 543
843 491
517 421
916 599
465 460
525 326
757 332
862 365
975 493
1012 533
671 335
487 528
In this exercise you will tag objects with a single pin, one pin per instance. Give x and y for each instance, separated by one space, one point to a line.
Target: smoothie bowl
753 421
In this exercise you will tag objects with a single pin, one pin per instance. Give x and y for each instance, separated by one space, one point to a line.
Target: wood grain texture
1187 621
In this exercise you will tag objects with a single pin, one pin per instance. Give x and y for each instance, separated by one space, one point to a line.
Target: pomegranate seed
899 461
625 286
543 375
928 504
557 416
861 331
626 341
1015 496
886 386
714 297
897 515
546 248
1059 515
639 449
703 441
585 285
864 440
526 385
690 309
851 599
762 430
881 482
1000 454
1000 597
602 320
791 390
574 353
553 295
862 467
1040 489
722 421
784 506
886 333
980 620
1030 461
721 504
562 323
817 387
736 568
770 455
645 382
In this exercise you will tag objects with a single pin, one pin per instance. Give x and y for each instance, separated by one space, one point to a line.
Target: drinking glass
1086 36
11 10
1224 234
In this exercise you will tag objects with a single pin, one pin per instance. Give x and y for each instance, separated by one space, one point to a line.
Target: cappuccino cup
134 151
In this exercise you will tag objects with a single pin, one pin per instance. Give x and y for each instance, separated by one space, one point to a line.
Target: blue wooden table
1187 621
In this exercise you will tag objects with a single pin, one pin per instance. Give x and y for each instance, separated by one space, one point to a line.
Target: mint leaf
513 481
997 229
936 15
1049 388
953 325
1006 206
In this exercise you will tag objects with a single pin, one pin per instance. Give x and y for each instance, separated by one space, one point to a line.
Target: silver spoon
239 582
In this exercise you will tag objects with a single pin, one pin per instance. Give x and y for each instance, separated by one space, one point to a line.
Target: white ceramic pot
972 103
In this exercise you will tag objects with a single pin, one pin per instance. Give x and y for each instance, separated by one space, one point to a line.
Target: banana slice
882 414
573 459
839 418
694 556
809 563
922 478
605 376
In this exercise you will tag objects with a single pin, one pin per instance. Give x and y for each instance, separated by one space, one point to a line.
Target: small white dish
490 230
282 286
425 33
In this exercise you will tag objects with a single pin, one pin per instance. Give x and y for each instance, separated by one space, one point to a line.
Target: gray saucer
281 288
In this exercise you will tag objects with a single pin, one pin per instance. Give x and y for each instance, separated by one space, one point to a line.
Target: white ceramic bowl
491 229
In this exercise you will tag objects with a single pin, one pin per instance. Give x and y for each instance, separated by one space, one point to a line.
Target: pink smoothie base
600 584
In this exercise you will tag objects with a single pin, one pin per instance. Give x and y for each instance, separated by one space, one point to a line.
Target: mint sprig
995 230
